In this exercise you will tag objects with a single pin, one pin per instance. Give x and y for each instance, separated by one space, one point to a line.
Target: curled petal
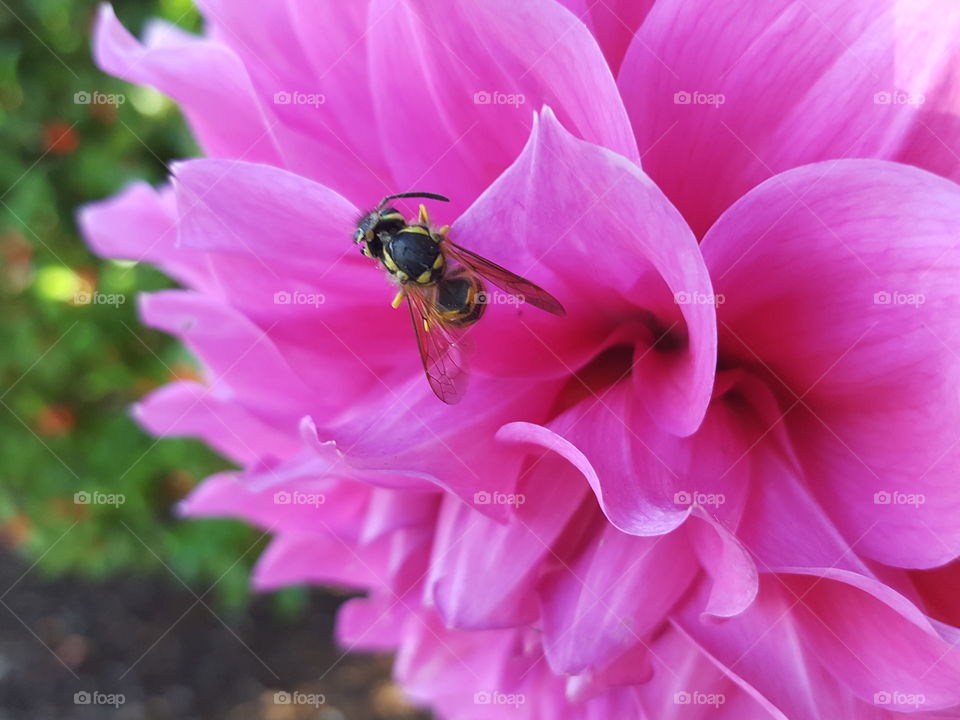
615 252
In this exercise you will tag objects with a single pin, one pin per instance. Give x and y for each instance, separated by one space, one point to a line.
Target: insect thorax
413 255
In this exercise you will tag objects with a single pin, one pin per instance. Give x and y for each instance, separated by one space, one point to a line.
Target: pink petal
139 224
371 624
285 258
782 523
205 78
188 409
446 668
613 23
791 83
470 547
316 559
313 90
240 359
632 667
939 588
390 511
874 640
785 525
403 426
275 232
606 202
245 208
475 74
294 497
687 685
727 563
814 638
648 481
848 311
393 565
603 601
763 650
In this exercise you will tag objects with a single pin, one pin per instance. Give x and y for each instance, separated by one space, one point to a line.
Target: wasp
443 284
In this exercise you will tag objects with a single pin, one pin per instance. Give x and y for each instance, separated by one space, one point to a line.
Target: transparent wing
504 279
444 350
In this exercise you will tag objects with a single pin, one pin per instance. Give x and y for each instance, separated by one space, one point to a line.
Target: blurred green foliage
68 371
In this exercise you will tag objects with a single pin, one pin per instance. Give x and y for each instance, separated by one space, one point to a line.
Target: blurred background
117 596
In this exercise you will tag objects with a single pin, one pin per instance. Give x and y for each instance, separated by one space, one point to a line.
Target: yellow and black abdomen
413 254
460 298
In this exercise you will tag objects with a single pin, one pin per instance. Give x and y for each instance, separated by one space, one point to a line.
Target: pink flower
725 484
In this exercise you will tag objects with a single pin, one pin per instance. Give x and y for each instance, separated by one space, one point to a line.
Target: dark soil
173 658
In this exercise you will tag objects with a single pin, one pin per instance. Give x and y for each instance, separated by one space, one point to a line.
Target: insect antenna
428 196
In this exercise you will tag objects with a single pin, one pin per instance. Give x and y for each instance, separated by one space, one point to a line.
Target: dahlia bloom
724 485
